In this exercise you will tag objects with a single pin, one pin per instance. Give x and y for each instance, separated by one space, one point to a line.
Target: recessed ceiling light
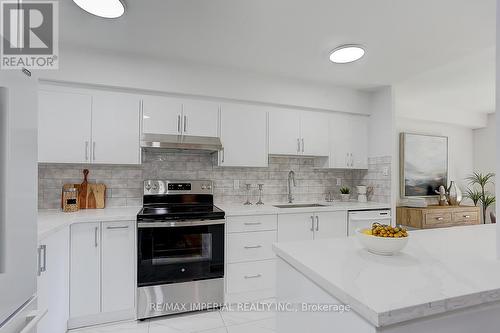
102 8
347 53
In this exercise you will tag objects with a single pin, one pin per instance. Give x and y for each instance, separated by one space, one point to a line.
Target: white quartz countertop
439 271
268 208
53 220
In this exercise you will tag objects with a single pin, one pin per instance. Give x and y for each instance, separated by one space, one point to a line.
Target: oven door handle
176 224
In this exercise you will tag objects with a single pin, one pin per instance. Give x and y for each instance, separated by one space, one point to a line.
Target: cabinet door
295 227
118 266
115 128
314 129
284 132
53 284
64 120
340 141
243 136
85 289
162 115
359 142
200 118
330 225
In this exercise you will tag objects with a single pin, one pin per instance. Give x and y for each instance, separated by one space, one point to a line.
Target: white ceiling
292 38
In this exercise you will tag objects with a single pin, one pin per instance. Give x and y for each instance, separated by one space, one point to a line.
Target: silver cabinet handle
179 123
253 276
312 223
439 218
86 150
252 247
317 223
115 228
467 216
223 155
302 144
96 230
252 223
352 161
298 145
347 159
93 151
42 257
185 123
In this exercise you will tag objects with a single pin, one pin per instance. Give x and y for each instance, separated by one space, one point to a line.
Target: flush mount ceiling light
102 8
347 53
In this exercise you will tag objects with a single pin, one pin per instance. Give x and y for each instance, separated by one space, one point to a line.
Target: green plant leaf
474 195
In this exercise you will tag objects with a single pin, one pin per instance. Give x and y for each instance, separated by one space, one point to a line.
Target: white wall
98 68
484 143
381 127
460 147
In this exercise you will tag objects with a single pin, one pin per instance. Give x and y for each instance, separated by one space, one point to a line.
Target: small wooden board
95 196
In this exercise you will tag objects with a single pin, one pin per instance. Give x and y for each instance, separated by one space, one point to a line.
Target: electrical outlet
339 181
385 171
236 184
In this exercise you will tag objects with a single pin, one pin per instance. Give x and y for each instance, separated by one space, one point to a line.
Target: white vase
345 197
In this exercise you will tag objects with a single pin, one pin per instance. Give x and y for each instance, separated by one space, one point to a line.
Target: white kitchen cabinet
118 266
309 226
102 278
348 141
330 224
244 136
200 118
53 282
115 128
176 116
162 115
64 127
314 129
284 132
295 227
85 269
293 132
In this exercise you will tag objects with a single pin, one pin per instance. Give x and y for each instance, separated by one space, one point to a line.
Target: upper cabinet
348 141
64 127
168 115
298 133
86 126
243 136
115 128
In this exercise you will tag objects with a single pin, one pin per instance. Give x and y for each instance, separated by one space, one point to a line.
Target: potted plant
478 194
345 193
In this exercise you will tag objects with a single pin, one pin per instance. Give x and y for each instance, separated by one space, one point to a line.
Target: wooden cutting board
90 195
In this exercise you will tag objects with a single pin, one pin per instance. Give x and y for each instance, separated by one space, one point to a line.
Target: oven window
182 248
180 254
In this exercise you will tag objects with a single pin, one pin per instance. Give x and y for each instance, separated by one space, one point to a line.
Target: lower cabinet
309 226
102 273
53 282
250 260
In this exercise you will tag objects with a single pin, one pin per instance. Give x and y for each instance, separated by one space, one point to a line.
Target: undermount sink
299 205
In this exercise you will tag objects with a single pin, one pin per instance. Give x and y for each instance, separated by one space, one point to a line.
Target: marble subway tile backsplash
124 183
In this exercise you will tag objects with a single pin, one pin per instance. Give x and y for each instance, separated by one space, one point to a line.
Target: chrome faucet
291 178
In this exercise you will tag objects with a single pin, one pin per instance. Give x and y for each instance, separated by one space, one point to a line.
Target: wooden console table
438 216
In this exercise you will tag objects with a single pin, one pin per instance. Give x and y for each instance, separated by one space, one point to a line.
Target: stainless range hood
167 141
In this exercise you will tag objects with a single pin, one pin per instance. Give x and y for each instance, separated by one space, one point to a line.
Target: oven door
172 252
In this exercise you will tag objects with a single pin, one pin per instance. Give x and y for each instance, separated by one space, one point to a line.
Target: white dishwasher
365 219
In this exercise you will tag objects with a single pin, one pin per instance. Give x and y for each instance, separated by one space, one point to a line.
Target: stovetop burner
180 212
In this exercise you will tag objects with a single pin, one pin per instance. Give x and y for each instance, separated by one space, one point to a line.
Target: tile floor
217 321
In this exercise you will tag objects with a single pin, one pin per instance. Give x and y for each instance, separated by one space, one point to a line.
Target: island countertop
440 270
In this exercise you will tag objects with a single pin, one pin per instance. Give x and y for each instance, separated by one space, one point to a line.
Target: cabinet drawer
437 218
251 223
250 246
466 217
251 276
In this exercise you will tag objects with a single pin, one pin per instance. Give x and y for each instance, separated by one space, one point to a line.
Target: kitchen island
445 280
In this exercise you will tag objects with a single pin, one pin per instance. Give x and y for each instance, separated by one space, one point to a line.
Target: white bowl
381 245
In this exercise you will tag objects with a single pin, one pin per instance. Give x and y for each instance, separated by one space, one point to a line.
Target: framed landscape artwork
423 164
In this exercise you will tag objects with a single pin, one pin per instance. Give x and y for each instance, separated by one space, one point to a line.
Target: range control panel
155 187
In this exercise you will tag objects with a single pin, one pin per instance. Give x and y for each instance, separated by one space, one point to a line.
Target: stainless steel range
180 248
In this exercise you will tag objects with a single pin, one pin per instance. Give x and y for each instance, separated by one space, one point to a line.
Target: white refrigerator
18 202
